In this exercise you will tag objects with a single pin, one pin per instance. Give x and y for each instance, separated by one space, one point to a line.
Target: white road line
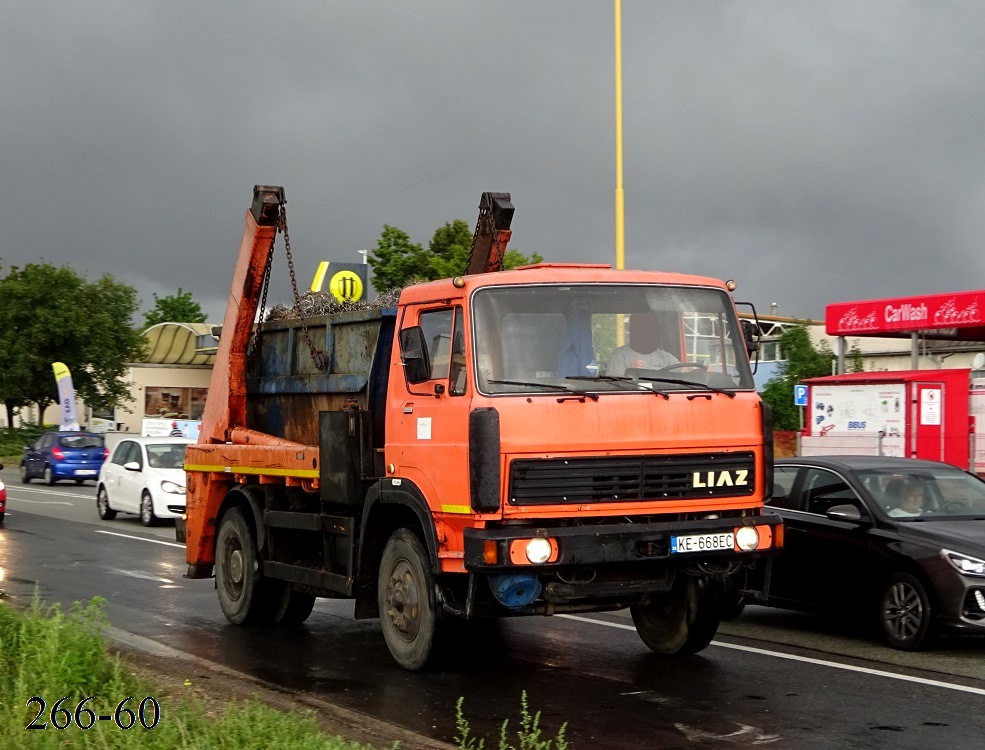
39 502
806 660
38 491
142 539
139 574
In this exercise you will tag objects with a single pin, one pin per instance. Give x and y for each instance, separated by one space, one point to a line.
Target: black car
899 538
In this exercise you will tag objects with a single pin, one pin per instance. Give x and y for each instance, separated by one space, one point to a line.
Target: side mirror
414 355
131 466
750 332
846 512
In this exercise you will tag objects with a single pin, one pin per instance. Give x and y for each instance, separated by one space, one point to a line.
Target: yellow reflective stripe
455 509
270 472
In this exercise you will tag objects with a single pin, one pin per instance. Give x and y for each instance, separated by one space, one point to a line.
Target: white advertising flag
66 397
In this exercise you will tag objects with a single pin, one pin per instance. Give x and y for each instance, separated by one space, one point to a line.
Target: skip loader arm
492 233
227 450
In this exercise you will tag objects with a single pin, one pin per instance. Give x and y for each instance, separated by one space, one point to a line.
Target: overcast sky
816 152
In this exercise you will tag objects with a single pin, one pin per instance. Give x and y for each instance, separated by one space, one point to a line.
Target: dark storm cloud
814 151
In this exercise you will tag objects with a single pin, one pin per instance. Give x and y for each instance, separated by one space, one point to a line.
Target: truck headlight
172 489
533 551
538 550
965 564
746 538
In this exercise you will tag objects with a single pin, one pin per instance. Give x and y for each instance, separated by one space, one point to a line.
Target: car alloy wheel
49 477
25 477
905 612
147 517
102 505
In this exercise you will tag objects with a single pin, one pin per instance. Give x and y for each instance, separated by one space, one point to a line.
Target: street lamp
364 253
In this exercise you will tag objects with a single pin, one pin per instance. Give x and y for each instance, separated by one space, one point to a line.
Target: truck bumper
496 549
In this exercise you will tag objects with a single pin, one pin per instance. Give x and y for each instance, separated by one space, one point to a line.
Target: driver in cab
643 350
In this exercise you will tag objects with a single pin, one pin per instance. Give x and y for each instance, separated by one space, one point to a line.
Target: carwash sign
940 314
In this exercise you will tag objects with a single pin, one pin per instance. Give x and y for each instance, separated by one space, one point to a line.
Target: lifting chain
253 350
317 356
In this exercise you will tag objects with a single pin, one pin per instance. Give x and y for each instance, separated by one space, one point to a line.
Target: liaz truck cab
555 438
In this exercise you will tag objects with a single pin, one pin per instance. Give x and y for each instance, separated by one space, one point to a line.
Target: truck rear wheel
243 592
406 597
682 621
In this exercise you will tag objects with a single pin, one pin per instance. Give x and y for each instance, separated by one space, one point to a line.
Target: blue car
64 455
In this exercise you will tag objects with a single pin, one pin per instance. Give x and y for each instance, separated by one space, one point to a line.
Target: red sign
940 313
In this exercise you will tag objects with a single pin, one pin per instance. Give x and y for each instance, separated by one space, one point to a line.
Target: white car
146 476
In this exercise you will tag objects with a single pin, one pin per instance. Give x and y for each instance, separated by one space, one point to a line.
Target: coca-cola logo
949 314
851 321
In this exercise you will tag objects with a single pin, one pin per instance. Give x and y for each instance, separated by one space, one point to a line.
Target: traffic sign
800 395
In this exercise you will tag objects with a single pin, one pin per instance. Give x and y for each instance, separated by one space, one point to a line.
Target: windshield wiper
675 381
603 378
616 379
562 388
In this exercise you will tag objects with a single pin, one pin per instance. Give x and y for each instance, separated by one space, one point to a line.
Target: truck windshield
674 338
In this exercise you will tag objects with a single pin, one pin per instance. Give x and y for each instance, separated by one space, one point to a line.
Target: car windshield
606 338
79 442
166 456
926 494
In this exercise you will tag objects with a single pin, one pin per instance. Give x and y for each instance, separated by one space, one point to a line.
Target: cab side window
457 375
119 454
436 325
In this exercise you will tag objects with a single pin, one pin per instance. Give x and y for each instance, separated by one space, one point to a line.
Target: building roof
180 344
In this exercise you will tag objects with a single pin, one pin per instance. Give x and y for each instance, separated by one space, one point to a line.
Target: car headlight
965 564
1 484
172 489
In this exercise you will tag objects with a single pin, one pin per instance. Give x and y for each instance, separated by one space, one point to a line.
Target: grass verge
57 675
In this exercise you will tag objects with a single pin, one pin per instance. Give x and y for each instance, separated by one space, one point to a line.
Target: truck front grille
614 479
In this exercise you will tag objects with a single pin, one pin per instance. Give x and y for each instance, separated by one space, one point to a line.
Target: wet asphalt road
787 687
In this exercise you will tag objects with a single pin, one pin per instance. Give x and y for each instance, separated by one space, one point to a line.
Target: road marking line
63 493
142 539
139 574
39 502
807 660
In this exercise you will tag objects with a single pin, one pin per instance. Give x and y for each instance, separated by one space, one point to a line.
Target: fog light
538 550
980 598
746 538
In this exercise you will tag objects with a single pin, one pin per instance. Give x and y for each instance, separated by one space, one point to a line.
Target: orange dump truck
472 453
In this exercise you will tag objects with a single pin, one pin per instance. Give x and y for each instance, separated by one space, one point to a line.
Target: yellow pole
620 218
620 199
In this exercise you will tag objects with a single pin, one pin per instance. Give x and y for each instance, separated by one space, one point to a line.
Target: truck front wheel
682 621
238 580
406 597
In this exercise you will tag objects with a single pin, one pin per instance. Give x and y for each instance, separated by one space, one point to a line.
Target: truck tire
682 621
244 595
295 607
406 596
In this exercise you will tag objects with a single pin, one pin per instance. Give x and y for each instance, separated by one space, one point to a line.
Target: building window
174 402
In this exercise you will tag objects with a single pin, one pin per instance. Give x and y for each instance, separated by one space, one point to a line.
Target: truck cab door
431 446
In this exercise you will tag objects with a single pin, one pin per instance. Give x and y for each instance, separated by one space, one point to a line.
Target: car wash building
937 414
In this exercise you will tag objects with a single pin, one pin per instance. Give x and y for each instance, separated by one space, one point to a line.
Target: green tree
397 261
802 360
54 314
175 308
856 359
